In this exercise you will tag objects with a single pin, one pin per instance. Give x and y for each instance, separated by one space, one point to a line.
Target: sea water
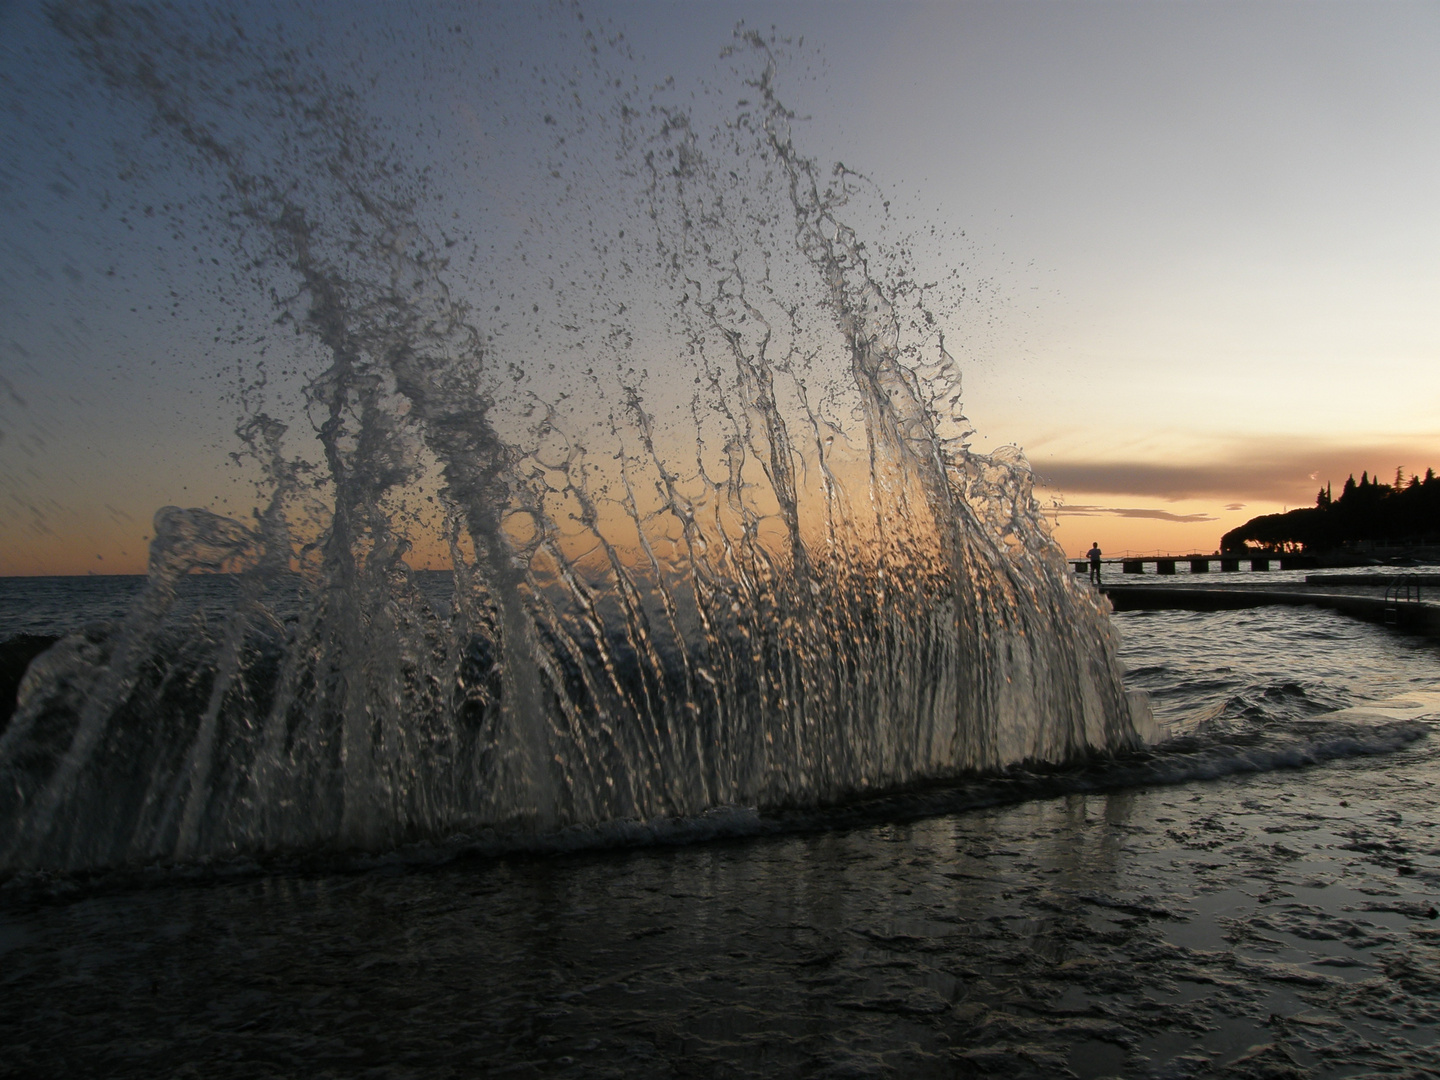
1260 898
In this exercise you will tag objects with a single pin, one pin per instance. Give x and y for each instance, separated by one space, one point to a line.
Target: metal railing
1399 592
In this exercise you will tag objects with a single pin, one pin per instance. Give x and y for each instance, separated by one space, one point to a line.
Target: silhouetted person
1094 554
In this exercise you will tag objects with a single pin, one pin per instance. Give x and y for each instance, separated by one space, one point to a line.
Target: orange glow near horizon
116 547
1119 535
96 549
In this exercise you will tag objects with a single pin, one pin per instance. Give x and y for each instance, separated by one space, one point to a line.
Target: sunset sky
1204 235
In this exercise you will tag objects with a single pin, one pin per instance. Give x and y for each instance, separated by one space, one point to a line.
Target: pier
1201 564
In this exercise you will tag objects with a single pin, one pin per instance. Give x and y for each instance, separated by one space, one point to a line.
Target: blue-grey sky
1201 238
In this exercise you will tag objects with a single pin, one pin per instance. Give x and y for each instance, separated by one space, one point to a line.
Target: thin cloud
1130 512
1157 481
1240 473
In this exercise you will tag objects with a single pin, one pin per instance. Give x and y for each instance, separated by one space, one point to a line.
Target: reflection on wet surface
1281 924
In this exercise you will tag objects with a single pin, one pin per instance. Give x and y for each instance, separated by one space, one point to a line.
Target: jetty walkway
1200 564
1406 601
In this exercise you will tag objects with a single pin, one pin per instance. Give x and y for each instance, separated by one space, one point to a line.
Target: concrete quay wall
1415 616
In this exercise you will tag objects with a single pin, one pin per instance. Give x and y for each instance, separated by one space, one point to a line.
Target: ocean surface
1255 898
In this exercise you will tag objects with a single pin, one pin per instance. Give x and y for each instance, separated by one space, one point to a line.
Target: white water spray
738 553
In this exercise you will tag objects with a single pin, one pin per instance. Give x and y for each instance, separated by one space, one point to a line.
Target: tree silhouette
1402 513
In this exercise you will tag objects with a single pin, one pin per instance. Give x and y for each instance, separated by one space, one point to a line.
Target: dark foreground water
1269 921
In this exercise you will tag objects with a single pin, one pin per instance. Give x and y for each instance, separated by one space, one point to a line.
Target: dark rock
15 656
